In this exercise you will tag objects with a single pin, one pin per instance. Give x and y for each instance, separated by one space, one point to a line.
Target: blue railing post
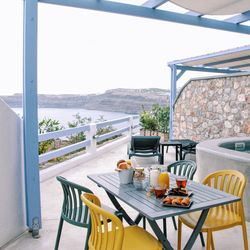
30 120
172 99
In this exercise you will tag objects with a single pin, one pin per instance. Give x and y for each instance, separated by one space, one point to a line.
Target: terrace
74 237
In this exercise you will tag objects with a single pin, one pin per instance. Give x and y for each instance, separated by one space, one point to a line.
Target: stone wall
213 107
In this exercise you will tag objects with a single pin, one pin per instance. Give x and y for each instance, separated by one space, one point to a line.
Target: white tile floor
74 237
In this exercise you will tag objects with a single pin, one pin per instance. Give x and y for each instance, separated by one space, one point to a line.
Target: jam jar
139 179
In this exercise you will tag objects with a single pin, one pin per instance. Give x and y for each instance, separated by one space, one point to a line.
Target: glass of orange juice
163 180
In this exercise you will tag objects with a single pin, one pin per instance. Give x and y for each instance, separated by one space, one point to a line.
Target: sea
67 115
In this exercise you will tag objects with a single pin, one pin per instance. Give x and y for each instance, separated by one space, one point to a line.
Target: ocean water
66 115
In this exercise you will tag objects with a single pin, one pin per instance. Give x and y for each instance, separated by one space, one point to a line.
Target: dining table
203 198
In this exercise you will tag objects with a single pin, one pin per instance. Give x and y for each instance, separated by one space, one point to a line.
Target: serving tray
174 205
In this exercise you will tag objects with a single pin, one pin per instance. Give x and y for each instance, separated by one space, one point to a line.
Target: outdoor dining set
213 205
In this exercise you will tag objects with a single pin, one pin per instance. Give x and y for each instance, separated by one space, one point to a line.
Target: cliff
131 101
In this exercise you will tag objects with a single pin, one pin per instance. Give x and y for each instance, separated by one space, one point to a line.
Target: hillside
128 101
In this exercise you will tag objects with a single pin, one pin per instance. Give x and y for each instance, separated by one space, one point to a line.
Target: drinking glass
181 181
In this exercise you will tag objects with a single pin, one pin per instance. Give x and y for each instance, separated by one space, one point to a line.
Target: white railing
130 124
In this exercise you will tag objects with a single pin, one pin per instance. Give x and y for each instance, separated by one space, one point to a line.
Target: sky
83 51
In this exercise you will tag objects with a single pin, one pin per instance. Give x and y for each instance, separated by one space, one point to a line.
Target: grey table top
203 196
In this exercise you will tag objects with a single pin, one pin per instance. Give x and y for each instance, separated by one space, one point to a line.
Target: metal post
131 125
30 119
172 99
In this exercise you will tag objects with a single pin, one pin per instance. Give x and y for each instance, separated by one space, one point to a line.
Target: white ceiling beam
154 3
192 13
241 18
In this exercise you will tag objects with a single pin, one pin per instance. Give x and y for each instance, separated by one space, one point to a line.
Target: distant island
130 101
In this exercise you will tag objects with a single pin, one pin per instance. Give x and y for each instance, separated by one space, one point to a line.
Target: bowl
126 176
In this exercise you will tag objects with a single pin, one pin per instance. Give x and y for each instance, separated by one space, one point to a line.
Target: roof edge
207 78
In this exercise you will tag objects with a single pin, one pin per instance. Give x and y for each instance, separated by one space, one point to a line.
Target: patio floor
74 237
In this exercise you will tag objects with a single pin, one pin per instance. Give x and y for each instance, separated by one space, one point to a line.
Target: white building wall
12 197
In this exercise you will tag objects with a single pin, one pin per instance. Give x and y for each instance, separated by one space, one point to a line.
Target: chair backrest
230 181
107 230
145 143
73 210
184 168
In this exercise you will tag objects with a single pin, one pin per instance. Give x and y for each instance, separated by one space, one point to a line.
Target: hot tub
227 153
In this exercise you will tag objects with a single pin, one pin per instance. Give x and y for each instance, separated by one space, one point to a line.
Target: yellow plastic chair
113 235
222 217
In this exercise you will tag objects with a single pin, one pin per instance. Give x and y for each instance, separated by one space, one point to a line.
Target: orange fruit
163 179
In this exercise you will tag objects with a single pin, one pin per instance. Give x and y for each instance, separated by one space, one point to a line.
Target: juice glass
181 181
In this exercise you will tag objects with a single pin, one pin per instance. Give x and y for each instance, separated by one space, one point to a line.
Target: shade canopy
237 59
215 7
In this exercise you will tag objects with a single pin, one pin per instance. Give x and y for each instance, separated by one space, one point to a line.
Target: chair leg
144 222
212 241
179 234
86 247
59 231
202 239
184 155
209 239
244 231
174 223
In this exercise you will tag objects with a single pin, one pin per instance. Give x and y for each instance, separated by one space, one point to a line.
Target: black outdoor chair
73 210
145 146
189 149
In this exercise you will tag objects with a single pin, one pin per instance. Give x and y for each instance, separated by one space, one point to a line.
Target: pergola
227 62
193 12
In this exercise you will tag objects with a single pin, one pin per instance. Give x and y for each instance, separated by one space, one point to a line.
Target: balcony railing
127 125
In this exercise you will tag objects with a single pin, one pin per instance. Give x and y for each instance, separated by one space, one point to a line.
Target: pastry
176 201
167 200
185 201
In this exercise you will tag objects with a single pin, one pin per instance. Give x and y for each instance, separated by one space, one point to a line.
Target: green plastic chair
183 168
145 146
73 211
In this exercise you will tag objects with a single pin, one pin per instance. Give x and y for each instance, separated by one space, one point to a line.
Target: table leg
138 219
176 152
197 229
162 154
120 209
161 237
180 152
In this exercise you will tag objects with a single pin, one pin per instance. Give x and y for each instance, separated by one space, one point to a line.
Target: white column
91 136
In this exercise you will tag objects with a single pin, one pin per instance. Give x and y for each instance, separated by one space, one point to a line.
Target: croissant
167 200
176 201
185 201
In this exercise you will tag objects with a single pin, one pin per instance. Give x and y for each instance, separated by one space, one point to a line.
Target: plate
176 193
174 205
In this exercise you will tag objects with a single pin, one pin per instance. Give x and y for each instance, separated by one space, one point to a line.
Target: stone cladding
213 107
